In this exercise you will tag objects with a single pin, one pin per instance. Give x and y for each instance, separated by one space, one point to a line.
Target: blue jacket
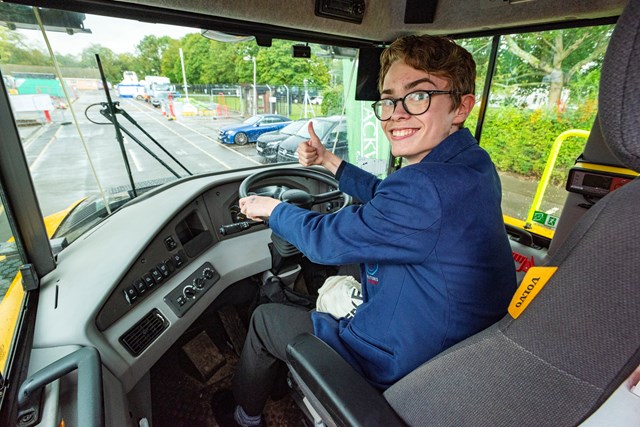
436 264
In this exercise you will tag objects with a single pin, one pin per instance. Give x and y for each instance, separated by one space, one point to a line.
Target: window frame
25 220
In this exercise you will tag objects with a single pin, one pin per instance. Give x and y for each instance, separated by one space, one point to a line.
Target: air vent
138 338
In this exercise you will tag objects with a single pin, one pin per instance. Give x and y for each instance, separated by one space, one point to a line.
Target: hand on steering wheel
260 207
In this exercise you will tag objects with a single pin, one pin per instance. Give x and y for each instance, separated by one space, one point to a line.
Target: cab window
541 105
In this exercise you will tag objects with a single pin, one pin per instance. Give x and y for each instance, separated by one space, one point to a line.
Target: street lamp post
255 90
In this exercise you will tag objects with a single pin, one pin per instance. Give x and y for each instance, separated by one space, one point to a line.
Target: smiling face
413 137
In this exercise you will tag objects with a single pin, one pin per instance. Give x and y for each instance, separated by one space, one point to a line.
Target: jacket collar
451 146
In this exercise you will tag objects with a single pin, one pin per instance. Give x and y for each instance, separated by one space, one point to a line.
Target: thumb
313 137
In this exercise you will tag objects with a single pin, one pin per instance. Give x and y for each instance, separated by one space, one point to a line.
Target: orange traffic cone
172 115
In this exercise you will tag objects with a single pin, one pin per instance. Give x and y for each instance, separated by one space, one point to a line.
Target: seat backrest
579 338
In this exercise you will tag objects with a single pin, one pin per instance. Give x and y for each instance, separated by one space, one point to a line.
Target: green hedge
519 140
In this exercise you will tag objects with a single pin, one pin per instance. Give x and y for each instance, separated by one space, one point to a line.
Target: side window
542 104
11 292
480 49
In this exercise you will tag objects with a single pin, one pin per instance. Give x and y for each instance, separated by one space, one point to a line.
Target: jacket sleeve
400 224
358 183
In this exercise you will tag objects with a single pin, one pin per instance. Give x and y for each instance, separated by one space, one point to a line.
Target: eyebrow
412 84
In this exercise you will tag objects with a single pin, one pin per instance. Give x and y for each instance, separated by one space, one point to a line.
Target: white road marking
135 160
198 133
36 162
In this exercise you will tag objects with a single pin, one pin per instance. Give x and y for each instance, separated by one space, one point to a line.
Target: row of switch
154 277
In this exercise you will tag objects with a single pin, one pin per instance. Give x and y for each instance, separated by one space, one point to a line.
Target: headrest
619 97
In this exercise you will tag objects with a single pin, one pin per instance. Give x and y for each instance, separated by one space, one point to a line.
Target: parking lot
67 161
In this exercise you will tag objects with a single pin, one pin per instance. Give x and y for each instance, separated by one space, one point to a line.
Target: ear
462 112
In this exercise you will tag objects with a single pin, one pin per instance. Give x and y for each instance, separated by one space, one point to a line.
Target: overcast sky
104 31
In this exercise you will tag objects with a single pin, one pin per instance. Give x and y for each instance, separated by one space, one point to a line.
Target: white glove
339 296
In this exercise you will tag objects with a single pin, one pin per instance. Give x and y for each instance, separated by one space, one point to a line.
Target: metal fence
234 100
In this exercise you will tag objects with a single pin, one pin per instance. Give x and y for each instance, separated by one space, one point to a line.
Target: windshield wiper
109 111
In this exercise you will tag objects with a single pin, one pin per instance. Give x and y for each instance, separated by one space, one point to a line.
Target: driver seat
567 352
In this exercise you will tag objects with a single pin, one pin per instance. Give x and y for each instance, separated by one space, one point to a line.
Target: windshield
173 91
79 152
294 127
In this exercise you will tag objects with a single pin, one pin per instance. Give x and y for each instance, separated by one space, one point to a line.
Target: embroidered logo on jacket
372 269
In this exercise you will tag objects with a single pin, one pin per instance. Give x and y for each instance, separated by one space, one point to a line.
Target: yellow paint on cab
11 304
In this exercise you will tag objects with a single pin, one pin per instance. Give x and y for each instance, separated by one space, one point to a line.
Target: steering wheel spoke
327 197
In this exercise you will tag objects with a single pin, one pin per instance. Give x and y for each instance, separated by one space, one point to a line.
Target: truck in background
157 89
130 87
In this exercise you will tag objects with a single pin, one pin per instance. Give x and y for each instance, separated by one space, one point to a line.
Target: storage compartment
193 234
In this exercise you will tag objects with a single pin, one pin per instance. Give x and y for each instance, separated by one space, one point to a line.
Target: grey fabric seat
576 342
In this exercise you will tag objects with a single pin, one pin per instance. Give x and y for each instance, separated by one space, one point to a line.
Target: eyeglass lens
414 103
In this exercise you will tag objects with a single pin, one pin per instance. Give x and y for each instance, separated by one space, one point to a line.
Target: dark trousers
271 328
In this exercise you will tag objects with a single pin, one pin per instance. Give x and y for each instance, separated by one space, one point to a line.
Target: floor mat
182 392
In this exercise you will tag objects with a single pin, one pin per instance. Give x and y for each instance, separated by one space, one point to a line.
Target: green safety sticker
545 219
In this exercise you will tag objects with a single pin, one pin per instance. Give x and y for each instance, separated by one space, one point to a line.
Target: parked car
252 128
268 143
331 130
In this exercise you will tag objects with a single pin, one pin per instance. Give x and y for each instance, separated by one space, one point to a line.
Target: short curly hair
436 55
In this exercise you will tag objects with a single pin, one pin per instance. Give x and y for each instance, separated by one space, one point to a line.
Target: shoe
223 405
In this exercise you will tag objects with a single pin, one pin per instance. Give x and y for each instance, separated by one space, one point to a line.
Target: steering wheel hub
297 197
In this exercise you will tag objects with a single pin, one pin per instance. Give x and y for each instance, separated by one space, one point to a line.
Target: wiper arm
106 112
114 120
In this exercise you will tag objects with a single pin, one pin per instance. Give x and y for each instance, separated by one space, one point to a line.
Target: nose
399 111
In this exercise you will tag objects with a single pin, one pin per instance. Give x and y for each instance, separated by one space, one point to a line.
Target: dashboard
134 284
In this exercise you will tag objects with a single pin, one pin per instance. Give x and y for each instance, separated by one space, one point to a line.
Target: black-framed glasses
414 103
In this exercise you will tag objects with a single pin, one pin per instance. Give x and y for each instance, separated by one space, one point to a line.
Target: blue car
252 128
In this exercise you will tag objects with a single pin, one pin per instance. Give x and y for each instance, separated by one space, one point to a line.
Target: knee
259 321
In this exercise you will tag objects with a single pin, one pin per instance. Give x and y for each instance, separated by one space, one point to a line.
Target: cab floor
185 379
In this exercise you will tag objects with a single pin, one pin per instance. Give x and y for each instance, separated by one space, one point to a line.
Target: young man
436 265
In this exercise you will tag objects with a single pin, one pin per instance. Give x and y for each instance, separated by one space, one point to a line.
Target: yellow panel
10 308
603 168
11 304
533 228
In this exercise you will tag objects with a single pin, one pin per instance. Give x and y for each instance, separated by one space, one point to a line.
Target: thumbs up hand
311 152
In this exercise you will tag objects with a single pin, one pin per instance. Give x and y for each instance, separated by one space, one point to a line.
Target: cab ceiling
382 21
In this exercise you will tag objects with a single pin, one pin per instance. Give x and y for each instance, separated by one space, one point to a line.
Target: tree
225 60
108 59
552 59
480 48
149 53
276 66
15 50
170 62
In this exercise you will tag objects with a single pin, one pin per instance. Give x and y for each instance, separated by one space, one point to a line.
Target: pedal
203 357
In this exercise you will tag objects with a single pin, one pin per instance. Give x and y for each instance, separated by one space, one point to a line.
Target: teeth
403 132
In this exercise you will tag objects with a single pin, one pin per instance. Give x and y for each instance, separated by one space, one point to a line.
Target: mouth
403 132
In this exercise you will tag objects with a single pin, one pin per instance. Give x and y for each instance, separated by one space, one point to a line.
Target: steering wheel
295 196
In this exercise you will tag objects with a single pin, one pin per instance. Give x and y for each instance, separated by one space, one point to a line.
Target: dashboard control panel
187 293
166 259
155 276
